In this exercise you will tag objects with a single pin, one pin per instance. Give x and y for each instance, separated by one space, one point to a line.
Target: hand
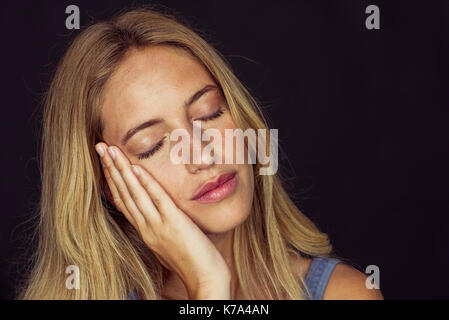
175 239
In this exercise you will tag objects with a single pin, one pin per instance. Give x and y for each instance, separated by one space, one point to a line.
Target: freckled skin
154 83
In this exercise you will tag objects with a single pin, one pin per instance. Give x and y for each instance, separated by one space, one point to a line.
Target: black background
362 118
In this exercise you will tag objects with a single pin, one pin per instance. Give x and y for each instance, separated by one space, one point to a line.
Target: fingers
135 189
164 204
116 197
135 184
141 184
121 193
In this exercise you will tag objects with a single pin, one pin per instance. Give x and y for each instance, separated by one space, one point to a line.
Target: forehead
148 83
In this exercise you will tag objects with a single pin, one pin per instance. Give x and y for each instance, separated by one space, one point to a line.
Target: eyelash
149 153
214 116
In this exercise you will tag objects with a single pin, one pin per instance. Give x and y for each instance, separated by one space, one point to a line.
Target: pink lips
216 191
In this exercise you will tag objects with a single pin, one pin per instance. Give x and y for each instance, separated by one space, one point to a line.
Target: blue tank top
317 277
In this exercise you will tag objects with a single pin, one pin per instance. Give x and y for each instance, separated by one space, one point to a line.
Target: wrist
216 289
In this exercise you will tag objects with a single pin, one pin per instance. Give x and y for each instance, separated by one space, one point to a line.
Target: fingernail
111 152
136 170
100 150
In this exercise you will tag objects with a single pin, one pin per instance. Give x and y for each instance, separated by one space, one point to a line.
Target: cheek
249 179
169 177
228 122
237 145
249 168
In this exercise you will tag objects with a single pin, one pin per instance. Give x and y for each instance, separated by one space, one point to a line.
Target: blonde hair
78 226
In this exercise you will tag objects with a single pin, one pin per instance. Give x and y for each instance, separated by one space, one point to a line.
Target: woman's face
153 84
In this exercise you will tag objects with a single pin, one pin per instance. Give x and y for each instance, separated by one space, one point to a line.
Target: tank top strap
318 275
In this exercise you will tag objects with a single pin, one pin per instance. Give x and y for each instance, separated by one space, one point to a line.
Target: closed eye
159 145
213 116
149 153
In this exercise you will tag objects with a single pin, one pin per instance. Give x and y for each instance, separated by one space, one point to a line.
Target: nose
203 165
199 160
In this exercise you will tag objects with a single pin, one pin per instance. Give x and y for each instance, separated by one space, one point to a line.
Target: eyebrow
152 122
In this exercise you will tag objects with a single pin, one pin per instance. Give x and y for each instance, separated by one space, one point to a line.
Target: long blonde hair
78 226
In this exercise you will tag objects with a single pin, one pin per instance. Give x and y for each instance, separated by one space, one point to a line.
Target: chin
223 218
219 229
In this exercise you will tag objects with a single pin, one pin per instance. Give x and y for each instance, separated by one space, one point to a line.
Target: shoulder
348 283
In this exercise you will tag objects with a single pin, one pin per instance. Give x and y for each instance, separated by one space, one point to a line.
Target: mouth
218 190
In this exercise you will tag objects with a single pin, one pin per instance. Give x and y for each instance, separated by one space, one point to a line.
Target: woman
137 225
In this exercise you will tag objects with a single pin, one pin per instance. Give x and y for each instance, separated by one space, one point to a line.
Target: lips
222 179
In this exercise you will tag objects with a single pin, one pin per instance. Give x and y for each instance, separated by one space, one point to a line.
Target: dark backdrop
362 117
